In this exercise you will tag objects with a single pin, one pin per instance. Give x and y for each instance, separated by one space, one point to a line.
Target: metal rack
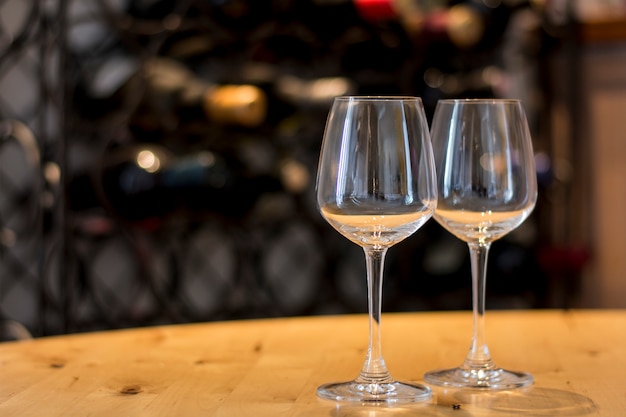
31 151
64 269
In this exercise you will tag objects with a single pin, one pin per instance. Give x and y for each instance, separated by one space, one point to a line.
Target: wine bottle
148 183
161 93
465 24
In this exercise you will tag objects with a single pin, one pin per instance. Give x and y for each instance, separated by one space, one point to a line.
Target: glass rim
480 101
379 98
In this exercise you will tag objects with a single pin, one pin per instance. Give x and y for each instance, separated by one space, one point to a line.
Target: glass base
387 392
495 378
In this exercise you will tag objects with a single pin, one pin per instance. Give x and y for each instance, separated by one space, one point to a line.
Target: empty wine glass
376 186
487 186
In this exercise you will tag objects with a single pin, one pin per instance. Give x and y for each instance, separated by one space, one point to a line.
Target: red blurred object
564 266
375 10
566 260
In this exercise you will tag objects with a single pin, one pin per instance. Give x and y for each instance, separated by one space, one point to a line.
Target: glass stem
374 369
478 356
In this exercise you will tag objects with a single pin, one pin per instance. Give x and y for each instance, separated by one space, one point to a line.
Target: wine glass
376 186
487 186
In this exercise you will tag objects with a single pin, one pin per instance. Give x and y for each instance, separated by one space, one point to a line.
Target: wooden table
272 367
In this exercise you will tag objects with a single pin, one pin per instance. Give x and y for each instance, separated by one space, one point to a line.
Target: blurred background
158 157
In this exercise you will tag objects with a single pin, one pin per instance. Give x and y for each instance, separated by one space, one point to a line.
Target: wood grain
272 367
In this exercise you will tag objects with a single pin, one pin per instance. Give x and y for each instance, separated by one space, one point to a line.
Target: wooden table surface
272 367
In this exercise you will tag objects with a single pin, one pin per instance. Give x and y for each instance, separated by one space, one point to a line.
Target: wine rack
89 241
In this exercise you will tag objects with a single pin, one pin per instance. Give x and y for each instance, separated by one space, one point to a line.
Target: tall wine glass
487 186
376 186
